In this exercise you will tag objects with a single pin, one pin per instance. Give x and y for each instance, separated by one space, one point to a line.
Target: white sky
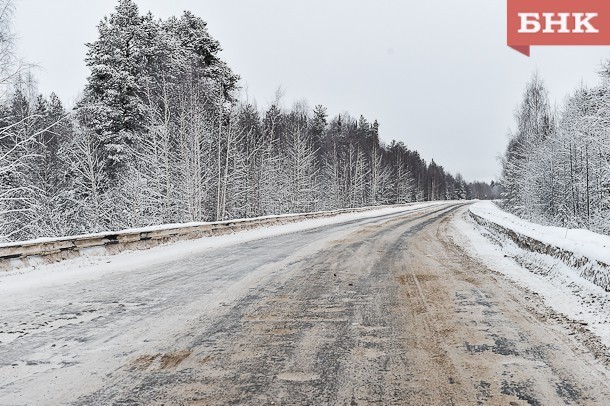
435 73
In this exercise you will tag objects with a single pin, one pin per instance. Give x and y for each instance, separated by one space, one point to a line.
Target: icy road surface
385 309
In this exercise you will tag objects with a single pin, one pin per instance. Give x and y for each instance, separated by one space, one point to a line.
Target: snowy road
382 310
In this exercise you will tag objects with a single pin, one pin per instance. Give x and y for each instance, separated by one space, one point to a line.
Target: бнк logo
557 22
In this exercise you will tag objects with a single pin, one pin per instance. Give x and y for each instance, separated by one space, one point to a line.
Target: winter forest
556 169
161 135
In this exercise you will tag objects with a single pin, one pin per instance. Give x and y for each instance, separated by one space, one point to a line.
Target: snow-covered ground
559 285
583 243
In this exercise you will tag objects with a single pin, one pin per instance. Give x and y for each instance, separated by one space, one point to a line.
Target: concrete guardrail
27 253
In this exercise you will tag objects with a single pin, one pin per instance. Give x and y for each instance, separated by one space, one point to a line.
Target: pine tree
114 89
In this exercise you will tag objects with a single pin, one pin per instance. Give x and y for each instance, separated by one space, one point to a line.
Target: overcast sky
435 73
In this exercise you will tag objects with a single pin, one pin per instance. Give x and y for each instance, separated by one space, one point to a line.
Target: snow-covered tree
160 136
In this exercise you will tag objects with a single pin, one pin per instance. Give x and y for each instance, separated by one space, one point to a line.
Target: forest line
556 169
160 135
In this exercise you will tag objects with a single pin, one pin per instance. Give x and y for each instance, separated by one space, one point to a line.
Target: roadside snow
559 285
584 243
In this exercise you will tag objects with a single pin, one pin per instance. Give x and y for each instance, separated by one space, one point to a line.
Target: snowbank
579 305
583 250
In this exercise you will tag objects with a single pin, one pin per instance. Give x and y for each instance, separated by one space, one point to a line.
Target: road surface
385 310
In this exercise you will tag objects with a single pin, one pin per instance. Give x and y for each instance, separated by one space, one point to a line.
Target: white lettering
584 20
530 23
561 22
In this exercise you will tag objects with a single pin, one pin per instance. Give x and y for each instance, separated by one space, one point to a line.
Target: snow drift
583 250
